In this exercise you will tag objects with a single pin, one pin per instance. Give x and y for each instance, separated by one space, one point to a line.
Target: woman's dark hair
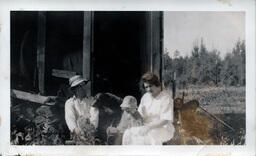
150 78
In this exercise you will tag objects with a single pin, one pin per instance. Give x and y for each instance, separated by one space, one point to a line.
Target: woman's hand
144 130
111 130
77 130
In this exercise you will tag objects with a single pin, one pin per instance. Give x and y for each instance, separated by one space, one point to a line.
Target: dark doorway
64 43
116 56
23 50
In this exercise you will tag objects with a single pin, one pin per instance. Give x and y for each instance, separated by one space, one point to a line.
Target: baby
130 118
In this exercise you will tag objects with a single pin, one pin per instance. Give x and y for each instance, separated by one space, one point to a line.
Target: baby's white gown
152 109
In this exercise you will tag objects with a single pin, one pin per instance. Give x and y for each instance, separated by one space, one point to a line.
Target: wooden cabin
110 48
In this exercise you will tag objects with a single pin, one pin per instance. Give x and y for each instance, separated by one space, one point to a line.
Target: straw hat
129 102
76 80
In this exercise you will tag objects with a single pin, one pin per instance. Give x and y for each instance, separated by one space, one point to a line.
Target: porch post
41 39
87 49
154 41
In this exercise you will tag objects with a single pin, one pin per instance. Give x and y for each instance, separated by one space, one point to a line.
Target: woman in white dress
156 108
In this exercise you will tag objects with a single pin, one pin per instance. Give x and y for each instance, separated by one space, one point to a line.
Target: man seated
79 107
130 118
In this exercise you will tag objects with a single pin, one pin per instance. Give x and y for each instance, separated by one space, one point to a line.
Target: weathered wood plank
36 98
63 73
41 39
153 54
92 51
156 51
87 48
146 46
161 44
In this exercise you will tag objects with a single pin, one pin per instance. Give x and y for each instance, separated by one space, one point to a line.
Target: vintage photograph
127 78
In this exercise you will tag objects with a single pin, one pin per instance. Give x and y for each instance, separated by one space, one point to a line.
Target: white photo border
248 6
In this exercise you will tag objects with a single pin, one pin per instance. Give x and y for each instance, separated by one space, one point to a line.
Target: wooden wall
151 46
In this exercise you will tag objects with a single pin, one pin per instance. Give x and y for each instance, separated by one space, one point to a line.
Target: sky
219 30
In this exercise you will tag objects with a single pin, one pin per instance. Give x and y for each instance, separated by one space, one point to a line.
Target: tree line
205 67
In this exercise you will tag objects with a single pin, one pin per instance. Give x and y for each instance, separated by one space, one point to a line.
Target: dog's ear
193 105
97 100
98 95
102 99
178 103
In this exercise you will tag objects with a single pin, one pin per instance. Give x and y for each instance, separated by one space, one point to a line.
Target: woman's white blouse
158 108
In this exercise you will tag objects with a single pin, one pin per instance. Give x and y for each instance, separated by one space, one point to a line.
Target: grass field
217 100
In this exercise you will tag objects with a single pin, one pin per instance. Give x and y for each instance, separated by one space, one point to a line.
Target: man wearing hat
79 105
130 118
